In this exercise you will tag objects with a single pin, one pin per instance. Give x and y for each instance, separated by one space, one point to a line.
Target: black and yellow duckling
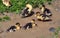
14 28
30 25
45 11
27 11
42 17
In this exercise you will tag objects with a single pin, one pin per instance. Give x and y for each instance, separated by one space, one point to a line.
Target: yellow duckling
6 3
30 7
17 26
43 8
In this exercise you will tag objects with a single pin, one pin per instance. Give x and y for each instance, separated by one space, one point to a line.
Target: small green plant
6 18
49 1
57 32
0 19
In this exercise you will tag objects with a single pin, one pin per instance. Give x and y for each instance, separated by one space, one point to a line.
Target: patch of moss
0 19
57 32
6 18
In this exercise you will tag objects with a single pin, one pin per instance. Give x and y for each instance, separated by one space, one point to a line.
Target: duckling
6 3
27 10
30 24
42 17
14 28
45 11
42 8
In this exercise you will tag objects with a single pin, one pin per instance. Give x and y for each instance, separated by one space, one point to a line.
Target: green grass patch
57 32
18 5
5 18
1 19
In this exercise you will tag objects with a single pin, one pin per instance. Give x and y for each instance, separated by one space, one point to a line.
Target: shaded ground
42 31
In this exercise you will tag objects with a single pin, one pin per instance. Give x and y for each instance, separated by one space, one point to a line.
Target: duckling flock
44 15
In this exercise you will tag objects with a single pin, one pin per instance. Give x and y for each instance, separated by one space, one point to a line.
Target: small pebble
52 29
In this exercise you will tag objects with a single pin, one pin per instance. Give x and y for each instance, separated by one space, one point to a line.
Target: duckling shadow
45 20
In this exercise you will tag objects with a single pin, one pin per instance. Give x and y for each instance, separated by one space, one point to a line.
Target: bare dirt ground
42 31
